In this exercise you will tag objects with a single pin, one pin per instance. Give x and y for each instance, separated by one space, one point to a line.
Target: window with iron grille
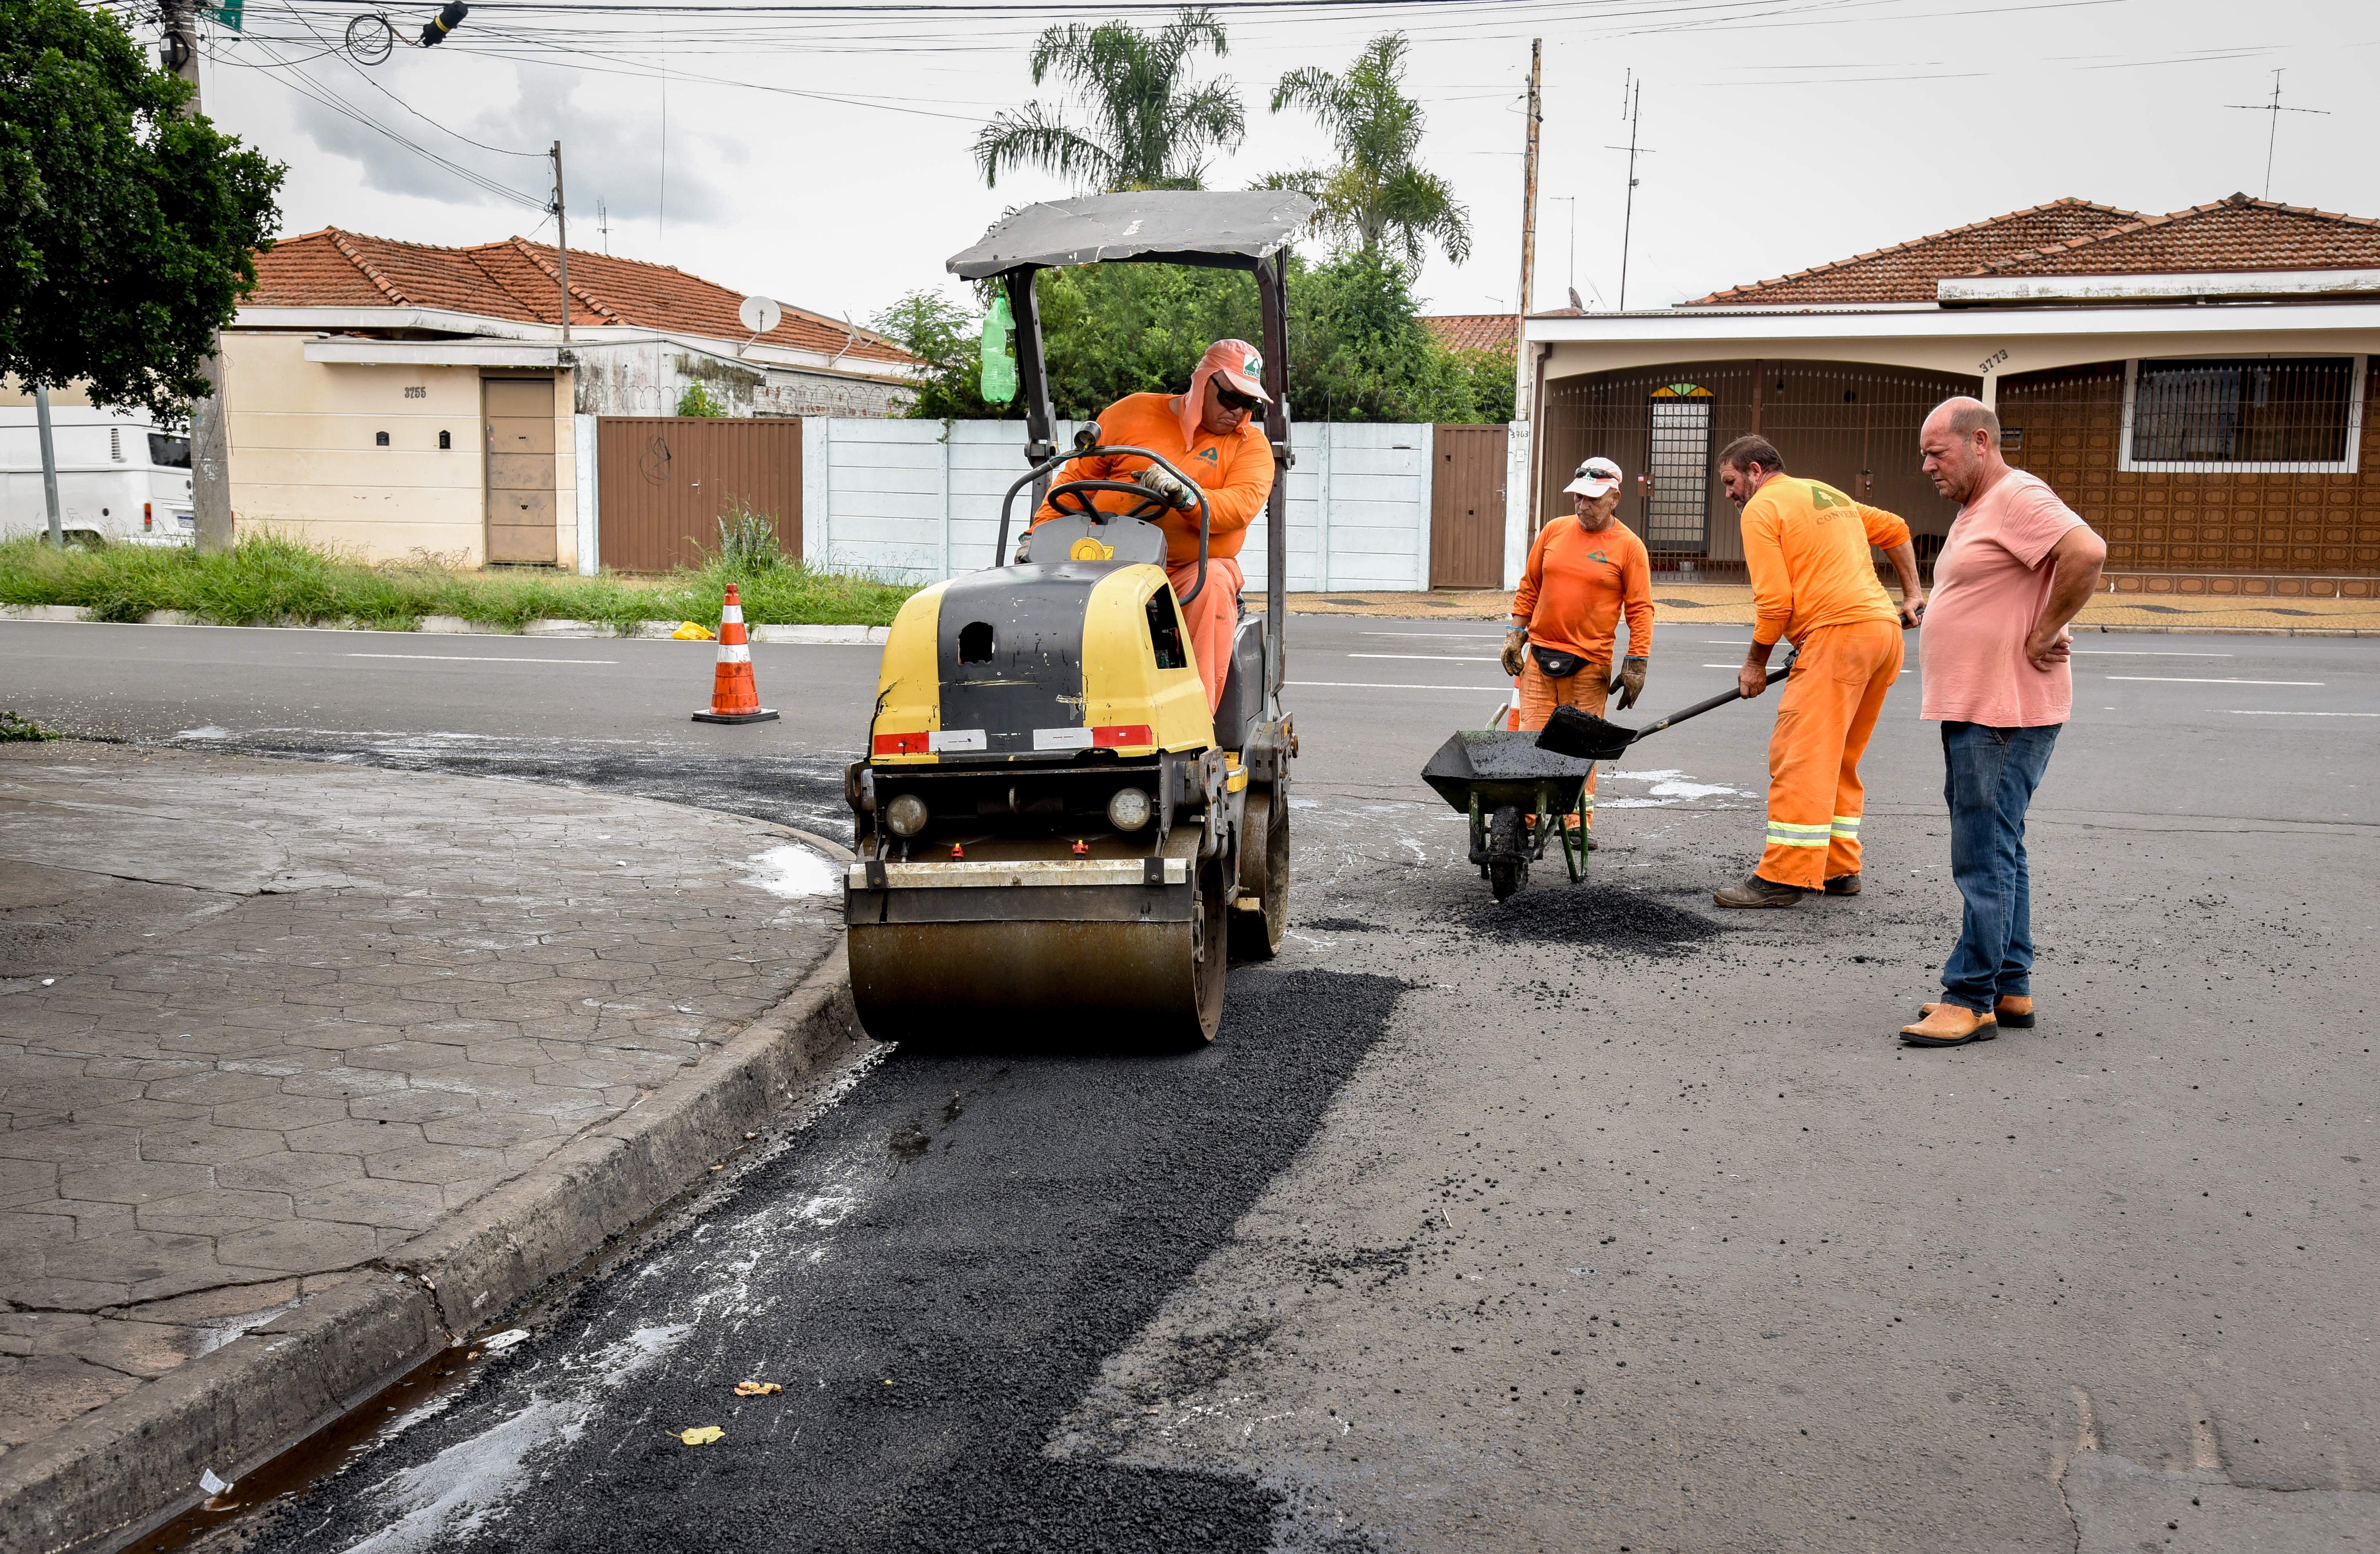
1677 510
2268 415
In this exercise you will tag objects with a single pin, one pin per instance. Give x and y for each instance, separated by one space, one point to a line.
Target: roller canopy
1174 227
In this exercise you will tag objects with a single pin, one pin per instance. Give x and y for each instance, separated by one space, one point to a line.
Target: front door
521 511
1466 507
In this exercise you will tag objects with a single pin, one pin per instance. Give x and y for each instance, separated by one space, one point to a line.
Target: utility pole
561 242
1521 375
2273 134
210 446
1631 101
49 465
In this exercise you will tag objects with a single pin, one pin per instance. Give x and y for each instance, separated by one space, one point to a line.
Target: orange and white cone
734 695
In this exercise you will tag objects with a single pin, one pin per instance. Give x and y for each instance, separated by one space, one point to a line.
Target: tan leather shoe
1949 1025
2014 1013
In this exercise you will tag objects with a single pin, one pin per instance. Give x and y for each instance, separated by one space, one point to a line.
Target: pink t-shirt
1990 584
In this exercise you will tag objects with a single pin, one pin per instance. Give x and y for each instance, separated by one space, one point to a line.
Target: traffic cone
734 696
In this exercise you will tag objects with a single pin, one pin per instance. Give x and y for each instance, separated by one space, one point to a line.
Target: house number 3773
1992 360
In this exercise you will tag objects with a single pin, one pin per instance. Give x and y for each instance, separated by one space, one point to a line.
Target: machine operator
1209 431
1582 577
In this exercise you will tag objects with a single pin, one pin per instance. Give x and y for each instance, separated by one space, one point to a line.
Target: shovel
1584 737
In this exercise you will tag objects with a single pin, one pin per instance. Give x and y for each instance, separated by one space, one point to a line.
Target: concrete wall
919 501
304 461
647 378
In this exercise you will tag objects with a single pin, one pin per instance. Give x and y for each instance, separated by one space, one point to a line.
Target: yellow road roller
1054 835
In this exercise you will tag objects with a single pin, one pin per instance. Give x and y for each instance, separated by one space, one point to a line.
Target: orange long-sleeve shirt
1578 585
1235 470
1806 546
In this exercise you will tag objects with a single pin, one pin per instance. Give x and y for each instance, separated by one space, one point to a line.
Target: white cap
1594 476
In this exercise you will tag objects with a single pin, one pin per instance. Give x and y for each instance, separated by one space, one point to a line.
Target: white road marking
472 657
1362 685
2186 680
2275 712
1424 658
2144 653
1442 635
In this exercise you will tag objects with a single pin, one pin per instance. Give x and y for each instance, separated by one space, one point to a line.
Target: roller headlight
905 815
1129 809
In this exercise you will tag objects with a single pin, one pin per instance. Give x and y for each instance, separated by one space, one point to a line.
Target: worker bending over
1208 432
1581 577
1806 547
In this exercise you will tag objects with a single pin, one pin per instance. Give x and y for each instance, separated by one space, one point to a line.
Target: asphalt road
1599 1220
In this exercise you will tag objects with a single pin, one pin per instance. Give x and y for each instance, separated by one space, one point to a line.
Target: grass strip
274 580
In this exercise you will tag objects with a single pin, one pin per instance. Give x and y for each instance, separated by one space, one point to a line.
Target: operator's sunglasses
1232 399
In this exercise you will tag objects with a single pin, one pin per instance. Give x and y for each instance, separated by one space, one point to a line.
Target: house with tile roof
2193 383
393 398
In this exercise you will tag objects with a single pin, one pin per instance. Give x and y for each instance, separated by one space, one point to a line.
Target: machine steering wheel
1146 504
1149 507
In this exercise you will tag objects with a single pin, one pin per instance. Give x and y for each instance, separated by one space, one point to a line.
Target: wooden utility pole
562 242
1520 469
1628 217
209 446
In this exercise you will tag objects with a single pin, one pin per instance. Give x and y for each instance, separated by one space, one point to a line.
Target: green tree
1377 198
695 400
126 229
1148 124
948 337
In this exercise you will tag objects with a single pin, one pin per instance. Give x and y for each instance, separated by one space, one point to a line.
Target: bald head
1961 442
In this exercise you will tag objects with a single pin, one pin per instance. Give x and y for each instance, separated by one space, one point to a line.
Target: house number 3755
1992 360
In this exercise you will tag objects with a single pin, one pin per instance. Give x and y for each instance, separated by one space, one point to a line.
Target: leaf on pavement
702 1435
756 1388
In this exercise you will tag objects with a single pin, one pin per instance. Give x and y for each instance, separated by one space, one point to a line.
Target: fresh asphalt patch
934 1273
1615 921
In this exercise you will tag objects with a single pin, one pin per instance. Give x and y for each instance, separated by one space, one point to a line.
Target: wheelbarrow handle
1699 708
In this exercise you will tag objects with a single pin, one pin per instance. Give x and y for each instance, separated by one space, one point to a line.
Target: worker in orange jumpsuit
1806 547
1583 573
1210 433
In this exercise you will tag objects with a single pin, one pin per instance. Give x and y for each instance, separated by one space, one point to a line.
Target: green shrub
15 730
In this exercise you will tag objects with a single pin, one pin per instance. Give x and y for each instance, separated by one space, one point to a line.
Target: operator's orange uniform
1573 593
1813 580
1235 468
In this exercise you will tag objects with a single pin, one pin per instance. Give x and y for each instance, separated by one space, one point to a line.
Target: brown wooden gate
664 481
1466 507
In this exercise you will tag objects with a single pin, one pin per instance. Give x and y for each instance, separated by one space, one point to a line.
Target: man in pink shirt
2017 566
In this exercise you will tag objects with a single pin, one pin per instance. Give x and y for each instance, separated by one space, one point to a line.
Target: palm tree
1376 197
1149 126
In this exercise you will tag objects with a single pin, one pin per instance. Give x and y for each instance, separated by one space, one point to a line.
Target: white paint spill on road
793 873
209 732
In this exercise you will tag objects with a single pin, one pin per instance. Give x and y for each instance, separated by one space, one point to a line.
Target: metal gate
1466 506
663 483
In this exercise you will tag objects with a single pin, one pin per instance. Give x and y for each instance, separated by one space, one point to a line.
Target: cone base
765 715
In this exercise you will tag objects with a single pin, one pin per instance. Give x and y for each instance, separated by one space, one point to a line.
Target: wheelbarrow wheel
1508 865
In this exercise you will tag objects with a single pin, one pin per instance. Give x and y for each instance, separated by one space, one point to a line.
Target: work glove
1632 681
1024 547
1516 642
1166 485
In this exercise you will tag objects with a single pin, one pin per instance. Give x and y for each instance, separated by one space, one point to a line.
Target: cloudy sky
821 155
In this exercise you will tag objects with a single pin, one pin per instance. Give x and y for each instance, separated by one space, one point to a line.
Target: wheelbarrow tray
1496 767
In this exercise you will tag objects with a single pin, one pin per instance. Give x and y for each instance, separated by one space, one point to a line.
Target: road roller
1055 836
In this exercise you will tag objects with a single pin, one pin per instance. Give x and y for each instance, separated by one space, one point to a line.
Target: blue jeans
1990 776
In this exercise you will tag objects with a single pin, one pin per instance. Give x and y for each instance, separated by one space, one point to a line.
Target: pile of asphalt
1336 925
934 1273
1618 920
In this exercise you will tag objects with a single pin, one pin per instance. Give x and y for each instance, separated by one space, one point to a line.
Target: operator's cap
1237 363
1594 476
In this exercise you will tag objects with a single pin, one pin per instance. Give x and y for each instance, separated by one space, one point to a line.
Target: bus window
173 453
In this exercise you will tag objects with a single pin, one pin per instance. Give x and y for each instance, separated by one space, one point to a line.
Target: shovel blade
1584 736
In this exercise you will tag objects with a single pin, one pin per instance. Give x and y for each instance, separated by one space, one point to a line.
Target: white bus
121 480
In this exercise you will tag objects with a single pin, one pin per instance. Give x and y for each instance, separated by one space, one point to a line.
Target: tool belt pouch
1557 666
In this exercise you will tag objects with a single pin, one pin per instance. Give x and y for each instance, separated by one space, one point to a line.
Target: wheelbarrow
1518 796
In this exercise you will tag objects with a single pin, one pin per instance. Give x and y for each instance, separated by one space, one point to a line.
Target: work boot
1949 1025
2012 1011
1756 891
1843 884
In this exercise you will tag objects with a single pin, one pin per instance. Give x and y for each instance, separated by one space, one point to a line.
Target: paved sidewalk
262 1024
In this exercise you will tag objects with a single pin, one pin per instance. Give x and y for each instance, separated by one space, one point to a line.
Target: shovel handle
1699 708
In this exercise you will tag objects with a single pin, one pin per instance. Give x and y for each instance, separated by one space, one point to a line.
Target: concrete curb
455 625
127 1467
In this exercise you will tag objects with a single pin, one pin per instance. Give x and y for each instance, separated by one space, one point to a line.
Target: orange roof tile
518 280
2232 234
1473 331
1907 271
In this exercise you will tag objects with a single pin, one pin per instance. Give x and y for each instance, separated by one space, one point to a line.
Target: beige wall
304 462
